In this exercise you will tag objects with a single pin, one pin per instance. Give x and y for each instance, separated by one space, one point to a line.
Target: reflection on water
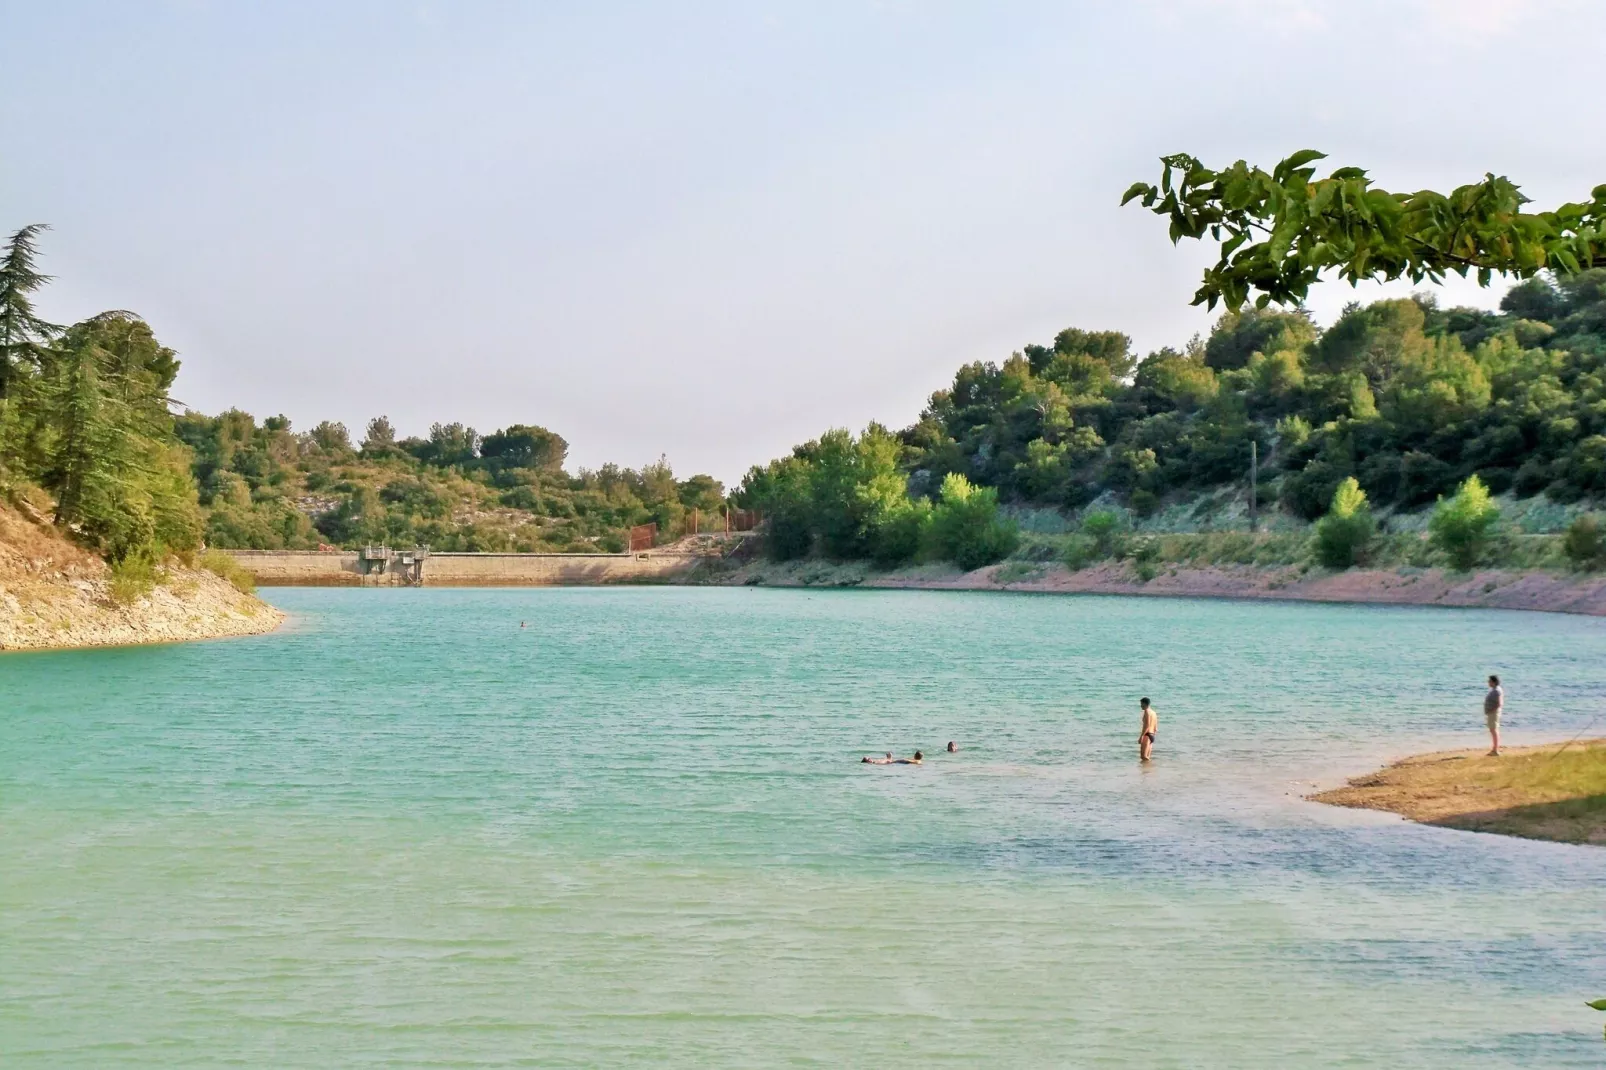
406 832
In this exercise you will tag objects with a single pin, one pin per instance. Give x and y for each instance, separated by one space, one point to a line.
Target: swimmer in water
890 760
952 749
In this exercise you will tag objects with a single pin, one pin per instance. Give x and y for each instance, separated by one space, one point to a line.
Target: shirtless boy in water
1147 730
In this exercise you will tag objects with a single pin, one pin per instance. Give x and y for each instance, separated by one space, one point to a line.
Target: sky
712 230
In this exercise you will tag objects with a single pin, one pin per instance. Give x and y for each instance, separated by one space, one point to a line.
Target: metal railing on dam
358 568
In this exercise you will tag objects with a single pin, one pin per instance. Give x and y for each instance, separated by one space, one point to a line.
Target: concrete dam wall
353 568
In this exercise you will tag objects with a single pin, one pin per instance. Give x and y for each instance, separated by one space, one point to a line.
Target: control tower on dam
390 567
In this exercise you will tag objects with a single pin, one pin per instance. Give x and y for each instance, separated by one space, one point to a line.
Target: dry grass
221 564
1554 792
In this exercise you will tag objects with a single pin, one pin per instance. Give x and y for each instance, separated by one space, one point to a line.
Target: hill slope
55 594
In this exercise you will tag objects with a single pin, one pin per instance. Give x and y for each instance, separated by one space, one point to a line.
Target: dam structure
419 567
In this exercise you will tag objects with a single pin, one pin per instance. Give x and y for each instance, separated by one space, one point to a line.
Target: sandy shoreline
1553 791
1485 589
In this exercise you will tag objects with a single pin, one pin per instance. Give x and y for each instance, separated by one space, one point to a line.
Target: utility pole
1254 484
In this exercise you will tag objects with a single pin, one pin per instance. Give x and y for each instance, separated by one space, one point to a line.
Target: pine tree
24 337
94 460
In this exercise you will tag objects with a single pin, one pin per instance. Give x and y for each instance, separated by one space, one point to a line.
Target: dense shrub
966 526
1343 534
131 578
1584 543
1103 527
1462 526
1081 551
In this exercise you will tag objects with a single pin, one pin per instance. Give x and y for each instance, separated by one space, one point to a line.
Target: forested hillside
85 435
87 440
1407 398
266 486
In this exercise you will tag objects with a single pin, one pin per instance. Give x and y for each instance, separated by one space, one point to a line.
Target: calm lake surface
404 832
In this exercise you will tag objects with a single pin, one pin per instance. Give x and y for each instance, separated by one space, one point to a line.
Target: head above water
951 747
1143 702
918 756
1494 681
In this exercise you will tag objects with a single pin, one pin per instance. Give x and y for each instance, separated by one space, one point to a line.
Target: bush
131 578
1103 527
221 564
966 526
1343 535
1461 526
1584 544
1144 553
895 536
1144 502
1080 552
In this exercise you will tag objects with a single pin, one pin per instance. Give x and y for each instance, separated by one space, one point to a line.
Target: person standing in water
1493 702
1148 728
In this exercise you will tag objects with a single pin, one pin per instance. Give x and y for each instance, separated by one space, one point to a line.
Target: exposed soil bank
1489 589
1551 792
54 594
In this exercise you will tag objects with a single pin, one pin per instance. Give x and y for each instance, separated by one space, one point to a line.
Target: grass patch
221 564
1204 549
1016 571
1542 793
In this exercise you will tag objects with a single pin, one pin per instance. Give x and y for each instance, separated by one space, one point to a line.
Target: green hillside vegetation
85 434
87 437
1407 400
265 486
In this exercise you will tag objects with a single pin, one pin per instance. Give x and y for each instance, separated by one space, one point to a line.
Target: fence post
1254 485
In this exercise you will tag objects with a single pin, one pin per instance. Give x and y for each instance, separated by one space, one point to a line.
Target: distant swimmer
890 760
878 761
521 625
1493 702
1147 730
952 747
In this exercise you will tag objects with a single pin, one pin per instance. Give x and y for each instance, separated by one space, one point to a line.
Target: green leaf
1296 161
1136 189
1598 1005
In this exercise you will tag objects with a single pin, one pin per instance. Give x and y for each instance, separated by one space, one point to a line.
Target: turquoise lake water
403 832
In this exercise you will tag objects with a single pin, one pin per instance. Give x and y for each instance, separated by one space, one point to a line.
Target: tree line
265 486
88 436
1404 398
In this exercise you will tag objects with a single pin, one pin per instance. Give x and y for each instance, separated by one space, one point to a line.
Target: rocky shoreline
54 595
1485 589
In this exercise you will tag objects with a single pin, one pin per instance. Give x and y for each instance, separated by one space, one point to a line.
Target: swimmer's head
951 747
1494 681
918 756
1143 702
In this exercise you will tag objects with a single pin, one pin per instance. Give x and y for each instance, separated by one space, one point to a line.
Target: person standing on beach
1148 728
1493 703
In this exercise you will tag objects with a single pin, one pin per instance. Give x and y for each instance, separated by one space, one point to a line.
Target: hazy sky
710 230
